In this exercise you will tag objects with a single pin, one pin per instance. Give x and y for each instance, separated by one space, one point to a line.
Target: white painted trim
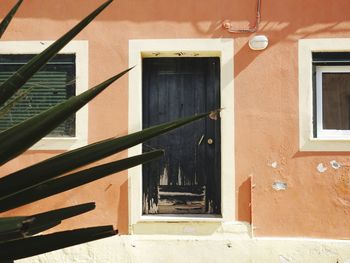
307 142
80 49
188 47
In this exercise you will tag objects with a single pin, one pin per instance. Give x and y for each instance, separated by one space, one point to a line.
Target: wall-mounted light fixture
259 42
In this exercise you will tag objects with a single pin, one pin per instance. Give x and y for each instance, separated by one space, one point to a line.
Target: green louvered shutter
51 85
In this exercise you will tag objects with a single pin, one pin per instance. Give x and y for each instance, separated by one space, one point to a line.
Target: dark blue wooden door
187 179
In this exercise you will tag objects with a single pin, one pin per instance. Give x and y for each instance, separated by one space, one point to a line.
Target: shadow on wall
244 201
123 213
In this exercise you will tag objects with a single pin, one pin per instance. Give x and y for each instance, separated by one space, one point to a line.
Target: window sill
52 144
191 227
181 218
326 145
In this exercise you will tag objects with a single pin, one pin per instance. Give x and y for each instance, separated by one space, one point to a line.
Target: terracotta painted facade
266 100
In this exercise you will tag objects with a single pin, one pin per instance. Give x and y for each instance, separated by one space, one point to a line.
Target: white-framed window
222 48
324 106
62 77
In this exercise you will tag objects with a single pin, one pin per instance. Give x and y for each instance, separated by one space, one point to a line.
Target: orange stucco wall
266 104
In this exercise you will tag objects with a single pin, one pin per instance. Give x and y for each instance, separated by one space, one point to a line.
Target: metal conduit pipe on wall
230 28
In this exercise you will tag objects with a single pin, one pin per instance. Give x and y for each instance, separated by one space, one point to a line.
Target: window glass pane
336 101
53 84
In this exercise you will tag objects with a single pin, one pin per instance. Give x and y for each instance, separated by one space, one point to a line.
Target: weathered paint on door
187 179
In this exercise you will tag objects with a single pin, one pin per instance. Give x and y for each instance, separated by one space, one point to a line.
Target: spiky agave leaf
67 182
27 247
9 225
6 21
24 226
17 80
68 161
20 137
7 107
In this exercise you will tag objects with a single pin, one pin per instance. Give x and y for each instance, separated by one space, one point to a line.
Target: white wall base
219 247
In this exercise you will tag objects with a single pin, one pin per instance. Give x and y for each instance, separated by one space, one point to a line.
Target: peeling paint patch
278 186
344 203
153 209
321 168
341 186
283 259
335 165
181 199
274 165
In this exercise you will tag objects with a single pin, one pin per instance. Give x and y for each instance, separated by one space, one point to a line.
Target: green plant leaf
27 247
20 137
68 161
64 183
24 226
5 109
6 21
10 224
17 80
43 220
63 213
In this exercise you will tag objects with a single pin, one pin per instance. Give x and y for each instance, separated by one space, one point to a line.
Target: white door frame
222 48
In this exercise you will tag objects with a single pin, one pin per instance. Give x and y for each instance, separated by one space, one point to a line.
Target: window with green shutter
53 84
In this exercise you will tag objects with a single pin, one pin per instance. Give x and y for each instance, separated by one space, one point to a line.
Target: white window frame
80 49
321 132
328 141
222 48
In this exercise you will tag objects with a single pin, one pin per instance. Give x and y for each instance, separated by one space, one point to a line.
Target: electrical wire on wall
230 28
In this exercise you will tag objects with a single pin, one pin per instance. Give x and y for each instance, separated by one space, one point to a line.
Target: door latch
200 140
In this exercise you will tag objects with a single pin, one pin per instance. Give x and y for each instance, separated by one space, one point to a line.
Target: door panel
187 179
